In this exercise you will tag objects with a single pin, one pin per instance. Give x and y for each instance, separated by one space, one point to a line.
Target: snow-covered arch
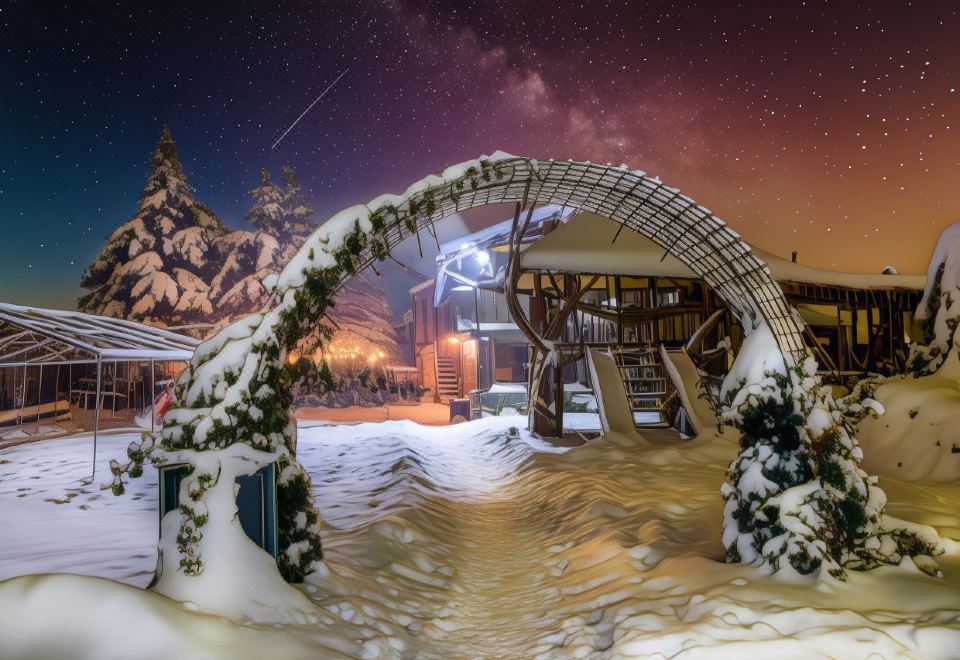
236 390
795 495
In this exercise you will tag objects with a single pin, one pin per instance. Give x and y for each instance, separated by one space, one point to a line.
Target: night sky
825 127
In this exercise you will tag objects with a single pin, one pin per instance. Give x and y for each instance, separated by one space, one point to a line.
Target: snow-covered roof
456 269
585 244
33 335
498 234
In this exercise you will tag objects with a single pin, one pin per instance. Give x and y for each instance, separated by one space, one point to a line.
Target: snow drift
919 436
480 540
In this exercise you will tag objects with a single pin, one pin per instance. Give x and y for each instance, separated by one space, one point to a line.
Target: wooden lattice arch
640 203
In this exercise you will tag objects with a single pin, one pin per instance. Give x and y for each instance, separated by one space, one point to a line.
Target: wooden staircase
447 387
646 383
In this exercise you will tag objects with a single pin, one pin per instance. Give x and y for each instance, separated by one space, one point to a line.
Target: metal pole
23 393
96 421
476 308
113 395
56 398
153 396
39 394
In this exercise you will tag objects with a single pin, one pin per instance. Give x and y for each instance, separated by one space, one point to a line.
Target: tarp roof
33 335
584 244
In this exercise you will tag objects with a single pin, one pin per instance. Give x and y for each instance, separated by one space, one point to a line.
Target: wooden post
896 327
558 396
654 303
841 340
541 304
618 294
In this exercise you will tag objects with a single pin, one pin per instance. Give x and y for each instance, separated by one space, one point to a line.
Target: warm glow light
453 339
369 354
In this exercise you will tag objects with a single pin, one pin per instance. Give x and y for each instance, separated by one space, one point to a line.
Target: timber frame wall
628 315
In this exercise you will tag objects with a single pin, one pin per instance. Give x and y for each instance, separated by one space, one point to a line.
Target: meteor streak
309 107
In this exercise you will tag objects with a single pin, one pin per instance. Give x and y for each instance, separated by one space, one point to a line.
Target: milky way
827 129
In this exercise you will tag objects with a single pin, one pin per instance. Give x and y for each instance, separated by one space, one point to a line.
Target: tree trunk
540 419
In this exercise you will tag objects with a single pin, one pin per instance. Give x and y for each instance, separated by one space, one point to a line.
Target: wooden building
631 298
638 297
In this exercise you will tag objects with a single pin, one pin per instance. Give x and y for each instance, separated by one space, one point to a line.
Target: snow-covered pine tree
281 221
155 266
796 496
248 257
938 313
281 217
297 218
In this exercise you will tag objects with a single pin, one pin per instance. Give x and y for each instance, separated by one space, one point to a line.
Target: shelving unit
645 381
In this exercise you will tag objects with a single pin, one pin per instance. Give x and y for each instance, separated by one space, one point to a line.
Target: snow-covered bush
937 314
795 495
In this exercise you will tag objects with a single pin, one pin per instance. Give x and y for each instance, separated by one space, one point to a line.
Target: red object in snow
162 403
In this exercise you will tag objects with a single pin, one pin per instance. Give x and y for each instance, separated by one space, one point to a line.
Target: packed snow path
480 541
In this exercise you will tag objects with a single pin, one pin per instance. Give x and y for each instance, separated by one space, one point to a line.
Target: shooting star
309 107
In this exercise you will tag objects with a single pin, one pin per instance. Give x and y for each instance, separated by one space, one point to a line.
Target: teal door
256 501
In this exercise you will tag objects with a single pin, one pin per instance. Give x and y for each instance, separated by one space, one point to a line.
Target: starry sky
831 128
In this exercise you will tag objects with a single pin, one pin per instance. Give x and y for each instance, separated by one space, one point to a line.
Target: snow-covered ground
466 541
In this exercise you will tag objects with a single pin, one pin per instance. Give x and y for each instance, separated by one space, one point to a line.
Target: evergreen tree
155 266
795 496
282 221
174 263
938 315
297 212
266 213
